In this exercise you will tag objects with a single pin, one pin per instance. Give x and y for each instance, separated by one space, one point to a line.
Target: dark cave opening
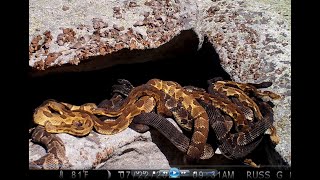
187 67
181 62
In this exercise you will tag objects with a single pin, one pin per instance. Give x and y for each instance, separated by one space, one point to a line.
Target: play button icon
174 173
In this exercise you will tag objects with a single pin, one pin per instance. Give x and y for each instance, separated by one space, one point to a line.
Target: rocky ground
252 38
120 151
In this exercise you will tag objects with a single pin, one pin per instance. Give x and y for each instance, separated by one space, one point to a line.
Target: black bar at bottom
69 174
237 173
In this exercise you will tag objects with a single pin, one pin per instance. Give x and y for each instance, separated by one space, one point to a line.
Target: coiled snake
192 108
240 142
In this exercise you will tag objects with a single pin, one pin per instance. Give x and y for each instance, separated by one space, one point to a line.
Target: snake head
123 88
213 80
125 82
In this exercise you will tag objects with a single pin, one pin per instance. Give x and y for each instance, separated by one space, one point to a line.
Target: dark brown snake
63 117
234 145
56 155
177 138
172 100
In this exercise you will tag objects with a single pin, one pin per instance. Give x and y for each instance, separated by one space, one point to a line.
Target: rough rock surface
254 45
252 38
120 151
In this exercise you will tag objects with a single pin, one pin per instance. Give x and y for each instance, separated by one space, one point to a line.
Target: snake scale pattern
236 112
